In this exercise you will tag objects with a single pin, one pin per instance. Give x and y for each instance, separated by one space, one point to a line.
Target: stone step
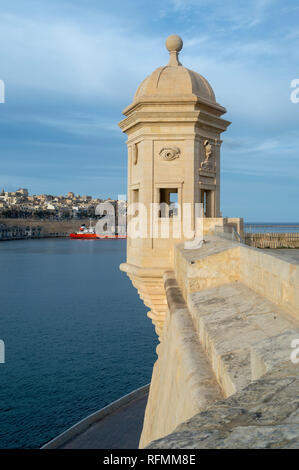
264 415
230 320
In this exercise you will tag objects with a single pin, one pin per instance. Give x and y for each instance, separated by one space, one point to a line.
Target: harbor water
76 335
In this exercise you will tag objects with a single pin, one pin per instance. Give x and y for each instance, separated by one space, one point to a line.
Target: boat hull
87 236
94 236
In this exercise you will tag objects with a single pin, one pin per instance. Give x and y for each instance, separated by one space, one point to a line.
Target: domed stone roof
173 79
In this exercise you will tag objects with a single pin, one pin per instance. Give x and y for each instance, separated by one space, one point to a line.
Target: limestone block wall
211 266
148 259
226 302
209 224
222 262
276 279
182 382
63 227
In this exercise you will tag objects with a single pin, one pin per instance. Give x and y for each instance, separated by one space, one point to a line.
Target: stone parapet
183 382
274 278
239 307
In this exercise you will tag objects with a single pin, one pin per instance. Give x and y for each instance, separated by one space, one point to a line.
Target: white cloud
60 56
237 14
276 157
52 56
79 125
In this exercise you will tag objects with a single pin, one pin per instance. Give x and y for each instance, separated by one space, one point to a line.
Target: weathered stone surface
244 335
232 320
183 382
274 278
214 264
173 125
267 354
263 415
292 256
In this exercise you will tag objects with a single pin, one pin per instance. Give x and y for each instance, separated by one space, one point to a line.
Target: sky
70 67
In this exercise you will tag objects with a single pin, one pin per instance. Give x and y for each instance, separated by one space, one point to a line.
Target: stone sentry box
173 126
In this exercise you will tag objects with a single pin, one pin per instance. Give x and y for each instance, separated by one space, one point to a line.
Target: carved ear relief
170 153
135 154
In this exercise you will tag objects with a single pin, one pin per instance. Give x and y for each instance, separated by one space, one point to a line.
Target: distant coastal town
19 204
24 216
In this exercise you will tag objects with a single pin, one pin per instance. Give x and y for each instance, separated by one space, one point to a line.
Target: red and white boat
84 232
90 233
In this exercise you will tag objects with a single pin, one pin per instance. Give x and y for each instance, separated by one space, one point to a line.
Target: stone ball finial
174 43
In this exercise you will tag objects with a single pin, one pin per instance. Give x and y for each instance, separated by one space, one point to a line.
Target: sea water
76 335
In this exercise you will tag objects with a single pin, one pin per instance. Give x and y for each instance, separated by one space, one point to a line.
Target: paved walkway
287 254
119 430
117 426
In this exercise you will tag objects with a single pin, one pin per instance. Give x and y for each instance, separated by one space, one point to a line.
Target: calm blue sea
76 335
256 227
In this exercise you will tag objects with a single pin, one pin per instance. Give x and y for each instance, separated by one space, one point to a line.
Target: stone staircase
233 324
264 415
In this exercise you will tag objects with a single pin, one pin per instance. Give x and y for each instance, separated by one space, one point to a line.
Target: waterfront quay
22 229
19 233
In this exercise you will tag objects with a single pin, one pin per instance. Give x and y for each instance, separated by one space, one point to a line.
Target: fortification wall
182 381
231 310
274 278
62 227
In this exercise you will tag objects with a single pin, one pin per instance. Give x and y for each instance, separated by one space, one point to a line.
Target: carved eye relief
169 153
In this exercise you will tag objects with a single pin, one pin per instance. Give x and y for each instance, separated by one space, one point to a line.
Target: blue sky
70 68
